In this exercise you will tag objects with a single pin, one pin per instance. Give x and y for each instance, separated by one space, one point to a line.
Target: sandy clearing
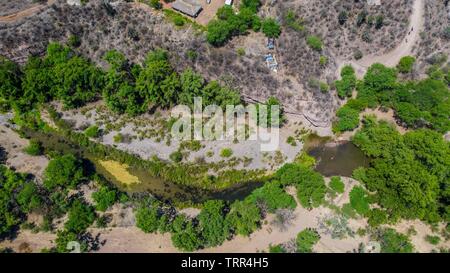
16 158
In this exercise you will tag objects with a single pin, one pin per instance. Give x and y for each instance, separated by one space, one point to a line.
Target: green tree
64 171
212 224
406 64
104 198
271 28
81 216
243 218
218 32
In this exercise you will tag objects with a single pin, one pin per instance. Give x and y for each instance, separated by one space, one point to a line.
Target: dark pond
165 190
335 158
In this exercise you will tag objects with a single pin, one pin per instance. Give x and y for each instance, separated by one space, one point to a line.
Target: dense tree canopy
409 173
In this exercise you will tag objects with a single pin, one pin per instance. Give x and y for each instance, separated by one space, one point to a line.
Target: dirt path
24 13
405 48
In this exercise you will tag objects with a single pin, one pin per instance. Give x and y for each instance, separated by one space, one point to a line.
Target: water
336 158
160 188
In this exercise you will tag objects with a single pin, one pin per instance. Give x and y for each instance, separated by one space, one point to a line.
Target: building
228 2
189 7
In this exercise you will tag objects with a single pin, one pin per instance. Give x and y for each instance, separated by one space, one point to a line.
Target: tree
271 28
10 80
273 196
92 131
218 32
306 240
63 171
147 217
406 64
243 217
192 85
310 185
104 198
348 119
185 236
157 81
76 81
81 216
347 84
212 224
28 198
251 4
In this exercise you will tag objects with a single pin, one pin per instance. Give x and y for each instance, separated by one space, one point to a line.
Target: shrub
81 216
406 64
271 28
276 249
104 198
176 156
337 185
359 201
434 240
226 152
314 42
273 195
34 148
64 171
348 119
93 131
394 242
377 217
306 240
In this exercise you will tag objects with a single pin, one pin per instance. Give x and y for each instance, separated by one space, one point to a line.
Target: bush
359 201
271 28
81 216
148 217
394 242
377 217
347 84
104 198
176 156
273 196
34 148
348 119
314 42
337 185
310 185
434 240
226 152
93 131
406 64
306 240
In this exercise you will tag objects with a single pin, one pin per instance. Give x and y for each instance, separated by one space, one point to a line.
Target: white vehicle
228 2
